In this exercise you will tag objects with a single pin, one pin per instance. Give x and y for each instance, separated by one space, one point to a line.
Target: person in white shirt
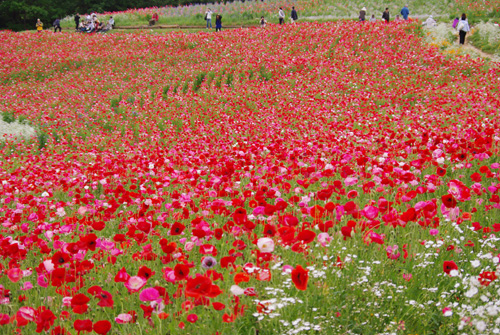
208 15
463 28
281 15
373 19
430 22
111 22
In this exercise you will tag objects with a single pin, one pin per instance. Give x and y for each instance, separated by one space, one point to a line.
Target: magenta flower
149 294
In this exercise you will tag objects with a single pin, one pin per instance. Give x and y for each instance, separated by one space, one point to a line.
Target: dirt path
495 59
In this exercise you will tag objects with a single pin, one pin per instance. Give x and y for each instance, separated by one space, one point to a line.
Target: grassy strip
482 42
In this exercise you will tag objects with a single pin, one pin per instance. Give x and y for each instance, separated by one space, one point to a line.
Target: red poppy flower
440 171
177 228
181 271
122 276
226 261
60 258
59 331
44 320
241 277
105 299
199 286
148 311
325 226
214 291
300 276
448 266
58 277
83 325
306 236
145 272
346 231
79 299
449 201
102 327
486 277
409 215
330 206
88 242
324 194
218 306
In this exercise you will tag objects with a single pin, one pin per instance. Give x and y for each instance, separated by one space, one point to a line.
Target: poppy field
322 178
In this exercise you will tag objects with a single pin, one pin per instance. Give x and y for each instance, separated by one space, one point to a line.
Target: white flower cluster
16 130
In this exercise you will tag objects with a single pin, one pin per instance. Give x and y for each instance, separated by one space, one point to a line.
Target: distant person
463 28
362 14
90 27
455 23
263 22
39 25
430 22
154 19
398 18
294 15
373 19
111 22
405 12
77 21
208 17
386 16
281 15
108 27
57 25
218 23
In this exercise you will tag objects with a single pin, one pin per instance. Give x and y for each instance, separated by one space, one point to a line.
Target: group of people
386 16
461 25
281 16
218 18
56 25
91 24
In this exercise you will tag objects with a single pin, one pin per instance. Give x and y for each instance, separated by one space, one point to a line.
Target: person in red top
154 19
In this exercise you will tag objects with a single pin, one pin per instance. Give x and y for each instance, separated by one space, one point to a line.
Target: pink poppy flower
135 283
15 275
149 294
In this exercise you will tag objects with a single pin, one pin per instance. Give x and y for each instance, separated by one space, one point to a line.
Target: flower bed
318 178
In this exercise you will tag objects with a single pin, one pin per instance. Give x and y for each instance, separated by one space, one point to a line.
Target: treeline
22 14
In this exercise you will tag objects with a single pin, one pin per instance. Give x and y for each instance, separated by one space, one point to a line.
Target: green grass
482 42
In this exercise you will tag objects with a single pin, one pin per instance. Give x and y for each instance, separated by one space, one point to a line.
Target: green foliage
482 42
177 123
42 140
264 75
55 136
164 93
229 79
8 117
22 119
22 14
198 81
185 88
210 77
